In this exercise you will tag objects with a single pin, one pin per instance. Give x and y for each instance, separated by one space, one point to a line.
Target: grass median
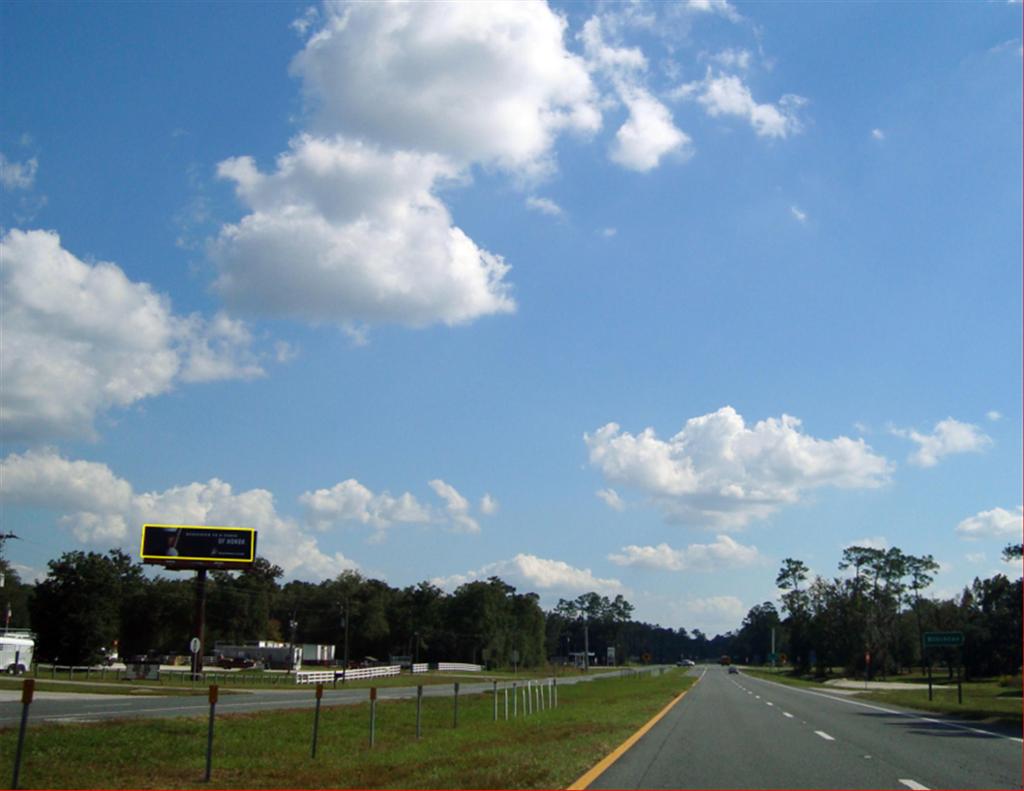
546 749
991 700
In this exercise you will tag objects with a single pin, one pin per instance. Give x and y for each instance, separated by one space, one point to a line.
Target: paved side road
62 707
734 731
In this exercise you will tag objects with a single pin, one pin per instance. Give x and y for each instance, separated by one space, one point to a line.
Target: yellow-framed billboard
198 545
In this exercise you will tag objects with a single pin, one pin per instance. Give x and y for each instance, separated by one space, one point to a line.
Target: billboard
191 545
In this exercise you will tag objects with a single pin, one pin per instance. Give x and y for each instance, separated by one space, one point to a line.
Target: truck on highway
725 660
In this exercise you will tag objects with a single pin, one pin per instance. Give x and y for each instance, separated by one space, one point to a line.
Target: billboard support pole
200 623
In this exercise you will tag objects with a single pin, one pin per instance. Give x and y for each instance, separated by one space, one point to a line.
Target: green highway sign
943 639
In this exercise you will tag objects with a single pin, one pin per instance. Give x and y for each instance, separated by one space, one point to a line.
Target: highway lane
735 731
71 707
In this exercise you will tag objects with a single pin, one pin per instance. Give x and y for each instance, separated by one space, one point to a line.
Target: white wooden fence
460 666
352 674
420 667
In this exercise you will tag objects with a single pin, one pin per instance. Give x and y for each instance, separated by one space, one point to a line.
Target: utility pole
586 648
199 623
345 623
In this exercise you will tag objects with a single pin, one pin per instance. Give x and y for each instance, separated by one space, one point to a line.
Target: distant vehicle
733 669
16 653
686 663
725 660
235 661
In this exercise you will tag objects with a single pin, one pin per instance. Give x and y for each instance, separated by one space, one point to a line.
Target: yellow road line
592 774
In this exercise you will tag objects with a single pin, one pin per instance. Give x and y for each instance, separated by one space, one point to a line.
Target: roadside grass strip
598 769
271 749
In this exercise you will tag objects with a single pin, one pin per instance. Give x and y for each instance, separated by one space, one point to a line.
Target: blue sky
637 298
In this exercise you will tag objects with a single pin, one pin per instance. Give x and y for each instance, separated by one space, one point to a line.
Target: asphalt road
77 707
735 731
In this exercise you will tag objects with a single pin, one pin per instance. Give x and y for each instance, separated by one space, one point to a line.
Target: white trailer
16 652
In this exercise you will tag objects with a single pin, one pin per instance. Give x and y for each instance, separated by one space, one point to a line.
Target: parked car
733 669
235 661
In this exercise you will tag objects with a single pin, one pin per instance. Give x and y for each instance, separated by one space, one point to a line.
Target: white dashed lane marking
787 714
914 784
768 703
825 736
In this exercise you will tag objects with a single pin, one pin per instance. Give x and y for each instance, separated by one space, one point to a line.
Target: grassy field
548 749
985 699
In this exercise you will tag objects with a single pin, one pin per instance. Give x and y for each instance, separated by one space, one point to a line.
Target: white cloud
877 134
728 95
997 523
17 175
529 571
648 134
721 7
801 216
79 339
344 232
732 58
611 499
872 542
608 233
488 505
722 554
476 82
975 557
544 206
456 505
949 436
102 509
717 471
350 501
993 415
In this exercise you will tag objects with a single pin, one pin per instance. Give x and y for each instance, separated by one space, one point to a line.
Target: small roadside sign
194 645
943 639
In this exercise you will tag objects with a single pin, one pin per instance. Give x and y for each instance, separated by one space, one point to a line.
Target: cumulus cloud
456 505
403 98
718 471
948 437
81 338
877 134
351 501
103 509
531 572
649 133
997 523
17 175
344 232
487 82
798 213
724 553
993 415
727 94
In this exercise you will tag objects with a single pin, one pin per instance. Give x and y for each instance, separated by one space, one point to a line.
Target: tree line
91 604
872 620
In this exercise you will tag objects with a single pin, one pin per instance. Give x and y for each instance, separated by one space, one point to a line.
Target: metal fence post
28 687
515 700
373 714
506 703
455 714
316 717
209 733
494 686
419 706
